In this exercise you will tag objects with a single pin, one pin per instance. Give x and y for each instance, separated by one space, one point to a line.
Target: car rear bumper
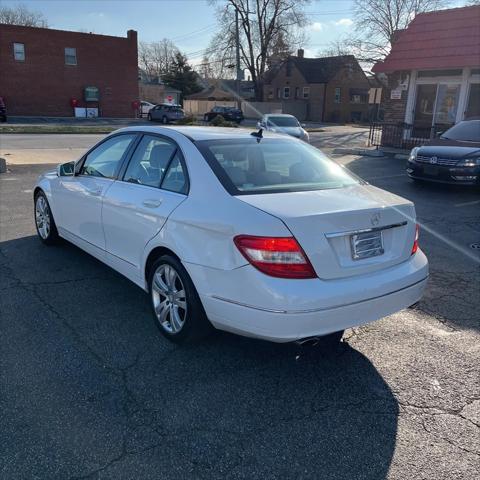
249 303
441 174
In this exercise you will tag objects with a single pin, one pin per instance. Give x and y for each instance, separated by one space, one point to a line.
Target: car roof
279 115
202 133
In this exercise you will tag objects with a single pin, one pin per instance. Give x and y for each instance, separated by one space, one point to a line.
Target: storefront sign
395 94
91 94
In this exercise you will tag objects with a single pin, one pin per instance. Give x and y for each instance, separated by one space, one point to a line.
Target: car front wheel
177 309
44 221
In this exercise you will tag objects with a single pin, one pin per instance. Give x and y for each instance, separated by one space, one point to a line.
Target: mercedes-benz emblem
375 220
433 159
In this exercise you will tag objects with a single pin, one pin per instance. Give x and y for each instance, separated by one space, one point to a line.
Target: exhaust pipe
308 342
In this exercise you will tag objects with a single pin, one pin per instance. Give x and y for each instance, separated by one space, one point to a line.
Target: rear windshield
245 166
467 131
283 121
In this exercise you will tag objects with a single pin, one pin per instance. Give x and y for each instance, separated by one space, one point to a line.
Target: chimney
132 35
300 53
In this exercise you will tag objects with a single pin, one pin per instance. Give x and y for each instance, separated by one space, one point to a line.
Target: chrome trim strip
313 310
365 230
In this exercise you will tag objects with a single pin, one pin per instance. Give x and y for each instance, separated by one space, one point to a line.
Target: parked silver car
166 113
284 123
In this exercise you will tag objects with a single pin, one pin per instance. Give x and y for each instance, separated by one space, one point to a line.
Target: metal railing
402 135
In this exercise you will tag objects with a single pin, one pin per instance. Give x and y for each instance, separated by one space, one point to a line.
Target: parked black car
3 111
228 113
453 157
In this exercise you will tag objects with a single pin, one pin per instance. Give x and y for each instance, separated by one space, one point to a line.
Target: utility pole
239 72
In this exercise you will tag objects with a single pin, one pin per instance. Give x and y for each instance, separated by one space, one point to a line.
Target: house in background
153 90
46 72
330 89
433 72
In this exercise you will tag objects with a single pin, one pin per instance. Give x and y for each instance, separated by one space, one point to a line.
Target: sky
188 23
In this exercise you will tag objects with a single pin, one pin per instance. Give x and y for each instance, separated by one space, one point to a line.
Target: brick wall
43 85
293 80
320 105
395 109
346 79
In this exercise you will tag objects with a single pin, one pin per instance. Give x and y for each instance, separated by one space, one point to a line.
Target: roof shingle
441 39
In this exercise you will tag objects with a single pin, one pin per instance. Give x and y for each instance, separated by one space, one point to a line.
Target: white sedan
145 107
263 236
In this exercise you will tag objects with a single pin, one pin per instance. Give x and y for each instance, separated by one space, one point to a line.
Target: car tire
44 221
180 318
164 120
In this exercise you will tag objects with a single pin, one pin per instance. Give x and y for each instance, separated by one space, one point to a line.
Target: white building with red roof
433 71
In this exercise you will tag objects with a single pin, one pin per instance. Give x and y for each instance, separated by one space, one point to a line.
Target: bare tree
21 15
262 23
337 48
218 62
377 23
156 58
471 3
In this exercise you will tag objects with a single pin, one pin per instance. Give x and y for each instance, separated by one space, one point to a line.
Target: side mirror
66 169
303 125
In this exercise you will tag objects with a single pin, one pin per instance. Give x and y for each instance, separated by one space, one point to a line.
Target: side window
175 179
105 159
149 161
70 56
19 52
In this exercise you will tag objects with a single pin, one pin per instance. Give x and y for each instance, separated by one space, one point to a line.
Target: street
89 389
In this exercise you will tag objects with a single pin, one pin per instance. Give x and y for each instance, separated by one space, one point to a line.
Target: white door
136 207
80 196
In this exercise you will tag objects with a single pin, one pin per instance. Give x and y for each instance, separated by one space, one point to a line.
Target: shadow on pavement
91 390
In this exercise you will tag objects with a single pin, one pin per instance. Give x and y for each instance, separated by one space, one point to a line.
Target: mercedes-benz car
453 157
250 232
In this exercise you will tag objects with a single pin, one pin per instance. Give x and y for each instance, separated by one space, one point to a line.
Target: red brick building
44 71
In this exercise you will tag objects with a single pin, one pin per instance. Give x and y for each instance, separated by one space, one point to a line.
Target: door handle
151 203
95 192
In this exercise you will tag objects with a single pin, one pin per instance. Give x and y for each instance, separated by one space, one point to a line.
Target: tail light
415 242
275 256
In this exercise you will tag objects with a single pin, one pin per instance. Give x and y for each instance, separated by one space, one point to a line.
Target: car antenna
258 135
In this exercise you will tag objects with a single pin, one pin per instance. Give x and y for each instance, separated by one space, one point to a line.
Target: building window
19 52
70 56
306 92
338 97
297 92
286 92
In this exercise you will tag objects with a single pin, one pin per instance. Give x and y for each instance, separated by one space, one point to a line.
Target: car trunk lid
347 231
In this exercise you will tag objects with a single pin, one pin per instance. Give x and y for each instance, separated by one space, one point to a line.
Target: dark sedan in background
454 157
228 113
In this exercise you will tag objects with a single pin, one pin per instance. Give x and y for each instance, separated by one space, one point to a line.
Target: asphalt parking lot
88 389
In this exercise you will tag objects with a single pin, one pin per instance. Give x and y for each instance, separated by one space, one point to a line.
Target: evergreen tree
181 76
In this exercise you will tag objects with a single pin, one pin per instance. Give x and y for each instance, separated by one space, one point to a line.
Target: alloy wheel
42 217
169 299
